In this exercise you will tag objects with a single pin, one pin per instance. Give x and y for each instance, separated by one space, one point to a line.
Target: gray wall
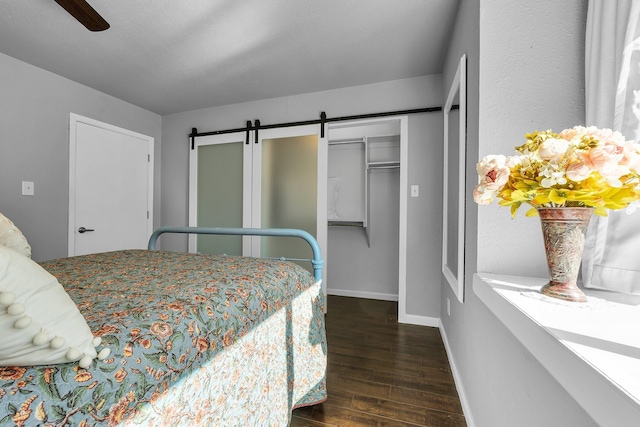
369 269
525 62
34 146
425 164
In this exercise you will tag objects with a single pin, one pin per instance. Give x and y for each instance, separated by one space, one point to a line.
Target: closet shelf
354 224
345 223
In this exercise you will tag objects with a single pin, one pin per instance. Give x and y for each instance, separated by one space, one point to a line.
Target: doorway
368 209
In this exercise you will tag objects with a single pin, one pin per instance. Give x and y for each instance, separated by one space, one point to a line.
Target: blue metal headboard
317 262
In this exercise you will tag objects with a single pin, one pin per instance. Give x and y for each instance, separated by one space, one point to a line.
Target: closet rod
322 120
346 141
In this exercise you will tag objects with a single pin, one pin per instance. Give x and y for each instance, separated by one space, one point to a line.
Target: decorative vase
564 231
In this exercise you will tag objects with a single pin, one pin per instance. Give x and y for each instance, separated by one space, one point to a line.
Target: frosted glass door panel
289 182
220 195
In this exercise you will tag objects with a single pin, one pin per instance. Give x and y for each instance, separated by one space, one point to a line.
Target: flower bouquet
564 177
578 167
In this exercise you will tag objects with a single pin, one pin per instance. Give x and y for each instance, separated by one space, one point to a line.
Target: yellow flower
41 415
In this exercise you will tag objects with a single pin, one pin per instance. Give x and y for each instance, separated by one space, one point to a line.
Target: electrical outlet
448 307
27 188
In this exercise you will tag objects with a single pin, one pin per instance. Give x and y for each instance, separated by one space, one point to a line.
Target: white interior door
110 187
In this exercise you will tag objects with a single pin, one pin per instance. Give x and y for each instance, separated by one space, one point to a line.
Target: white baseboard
413 319
362 294
466 409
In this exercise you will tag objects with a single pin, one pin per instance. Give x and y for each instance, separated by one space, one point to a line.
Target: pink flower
483 197
631 156
607 160
578 171
574 132
493 172
606 136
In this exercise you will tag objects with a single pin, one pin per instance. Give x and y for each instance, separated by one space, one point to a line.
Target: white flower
515 161
552 176
553 149
632 207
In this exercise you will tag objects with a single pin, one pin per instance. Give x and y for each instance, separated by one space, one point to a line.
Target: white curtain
612 66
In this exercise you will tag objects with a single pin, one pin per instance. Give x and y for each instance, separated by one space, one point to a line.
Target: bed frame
317 261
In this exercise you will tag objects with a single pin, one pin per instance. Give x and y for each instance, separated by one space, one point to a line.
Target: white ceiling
170 56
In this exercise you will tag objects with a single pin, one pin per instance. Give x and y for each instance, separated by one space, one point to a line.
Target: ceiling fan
85 14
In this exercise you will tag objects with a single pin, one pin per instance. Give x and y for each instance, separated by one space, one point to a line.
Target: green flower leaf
49 388
154 358
76 396
176 336
122 390
58 412
108 368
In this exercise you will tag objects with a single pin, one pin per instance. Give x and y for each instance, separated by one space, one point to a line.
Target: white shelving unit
381 152
353 160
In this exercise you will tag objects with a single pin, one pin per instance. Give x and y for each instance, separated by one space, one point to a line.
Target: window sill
593 352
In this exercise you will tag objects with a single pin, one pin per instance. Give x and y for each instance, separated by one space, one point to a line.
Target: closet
363 203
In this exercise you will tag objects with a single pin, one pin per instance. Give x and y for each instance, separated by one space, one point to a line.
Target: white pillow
12 237
39 323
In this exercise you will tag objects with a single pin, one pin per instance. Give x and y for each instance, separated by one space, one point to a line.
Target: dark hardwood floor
381 373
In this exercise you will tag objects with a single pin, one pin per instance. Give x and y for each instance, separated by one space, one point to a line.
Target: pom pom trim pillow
39 323
12 237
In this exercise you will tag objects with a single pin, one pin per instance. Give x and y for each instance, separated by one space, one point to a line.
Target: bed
191 340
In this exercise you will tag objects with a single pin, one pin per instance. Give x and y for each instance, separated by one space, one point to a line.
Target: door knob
84 230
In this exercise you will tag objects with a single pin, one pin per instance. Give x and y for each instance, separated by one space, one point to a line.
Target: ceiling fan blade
85 14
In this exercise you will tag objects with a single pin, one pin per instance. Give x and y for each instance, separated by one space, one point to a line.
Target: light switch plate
27 188
415 191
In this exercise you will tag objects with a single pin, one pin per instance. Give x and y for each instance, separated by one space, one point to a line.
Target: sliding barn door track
256 125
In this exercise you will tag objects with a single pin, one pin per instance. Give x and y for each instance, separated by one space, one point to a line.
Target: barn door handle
84 230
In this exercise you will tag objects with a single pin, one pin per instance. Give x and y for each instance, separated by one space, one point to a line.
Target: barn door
278 181
110 187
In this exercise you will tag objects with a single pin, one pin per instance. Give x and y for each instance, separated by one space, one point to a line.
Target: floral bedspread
195 340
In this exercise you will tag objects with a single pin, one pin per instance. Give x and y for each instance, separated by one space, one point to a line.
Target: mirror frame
458 86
